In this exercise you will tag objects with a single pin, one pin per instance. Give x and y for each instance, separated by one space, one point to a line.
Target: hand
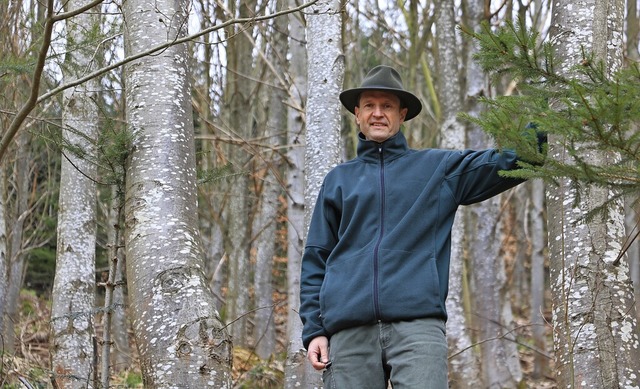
318 352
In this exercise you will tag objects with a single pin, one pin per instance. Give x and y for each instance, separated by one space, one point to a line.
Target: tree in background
575 90
325 73
295 364
179 333
464 363
73 296
26 161
484 222
239 119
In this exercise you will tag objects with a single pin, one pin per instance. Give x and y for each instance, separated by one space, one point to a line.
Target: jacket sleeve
321 239
473 176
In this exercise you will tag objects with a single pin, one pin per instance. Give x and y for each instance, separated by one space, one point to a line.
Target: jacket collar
391 148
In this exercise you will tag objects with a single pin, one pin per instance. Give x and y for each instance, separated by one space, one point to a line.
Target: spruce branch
589 110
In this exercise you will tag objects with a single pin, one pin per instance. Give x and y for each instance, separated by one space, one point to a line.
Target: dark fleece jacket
378 246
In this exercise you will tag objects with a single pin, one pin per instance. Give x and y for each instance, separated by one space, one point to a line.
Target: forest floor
29 366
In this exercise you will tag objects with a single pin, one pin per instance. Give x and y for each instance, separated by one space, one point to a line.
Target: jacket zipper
376 257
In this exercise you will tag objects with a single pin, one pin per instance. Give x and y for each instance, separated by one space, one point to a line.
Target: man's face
379 115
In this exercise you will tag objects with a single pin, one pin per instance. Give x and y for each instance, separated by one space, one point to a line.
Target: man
376 263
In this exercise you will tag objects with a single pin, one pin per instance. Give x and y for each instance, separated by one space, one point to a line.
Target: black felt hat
387 79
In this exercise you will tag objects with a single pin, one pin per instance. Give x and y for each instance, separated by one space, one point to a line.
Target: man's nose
377 111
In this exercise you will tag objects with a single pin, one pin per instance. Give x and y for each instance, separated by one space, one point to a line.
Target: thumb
324 353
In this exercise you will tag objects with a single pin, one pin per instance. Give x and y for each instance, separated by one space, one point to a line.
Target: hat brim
349 98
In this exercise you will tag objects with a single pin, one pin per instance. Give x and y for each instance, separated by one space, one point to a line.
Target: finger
316 362
313 357
324 354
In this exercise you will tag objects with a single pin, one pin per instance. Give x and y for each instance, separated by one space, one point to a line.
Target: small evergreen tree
590 111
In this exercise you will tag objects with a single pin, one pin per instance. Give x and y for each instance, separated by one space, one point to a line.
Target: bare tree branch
20 117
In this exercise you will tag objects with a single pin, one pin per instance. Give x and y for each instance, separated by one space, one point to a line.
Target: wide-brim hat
386 79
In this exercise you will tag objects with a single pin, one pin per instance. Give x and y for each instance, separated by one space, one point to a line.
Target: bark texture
267 218
181 339
594 321
239 115
73 293
4 263
491 298
296 368
325 74
464 366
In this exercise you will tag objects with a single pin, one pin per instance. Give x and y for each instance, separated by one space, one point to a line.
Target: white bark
325 74
74 283
181 339
464 366
296 368
594 322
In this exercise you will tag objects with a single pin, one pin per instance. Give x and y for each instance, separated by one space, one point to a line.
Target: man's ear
356 111
403 114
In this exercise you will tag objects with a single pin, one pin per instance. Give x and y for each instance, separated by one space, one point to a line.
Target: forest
159 163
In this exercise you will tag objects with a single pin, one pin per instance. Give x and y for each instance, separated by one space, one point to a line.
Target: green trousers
408 354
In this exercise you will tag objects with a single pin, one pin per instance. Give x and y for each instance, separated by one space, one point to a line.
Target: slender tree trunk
17 264
322 141
210 219
181 339
121 350
594 320
4 263
632 218
115 344
296 368
239 94
463 364
73 297
493 317
538 287
517 247
267 222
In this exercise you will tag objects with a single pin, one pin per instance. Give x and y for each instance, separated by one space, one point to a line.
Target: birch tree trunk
296 368
181 339
594 320
322 141
267 218
73 296
464 366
